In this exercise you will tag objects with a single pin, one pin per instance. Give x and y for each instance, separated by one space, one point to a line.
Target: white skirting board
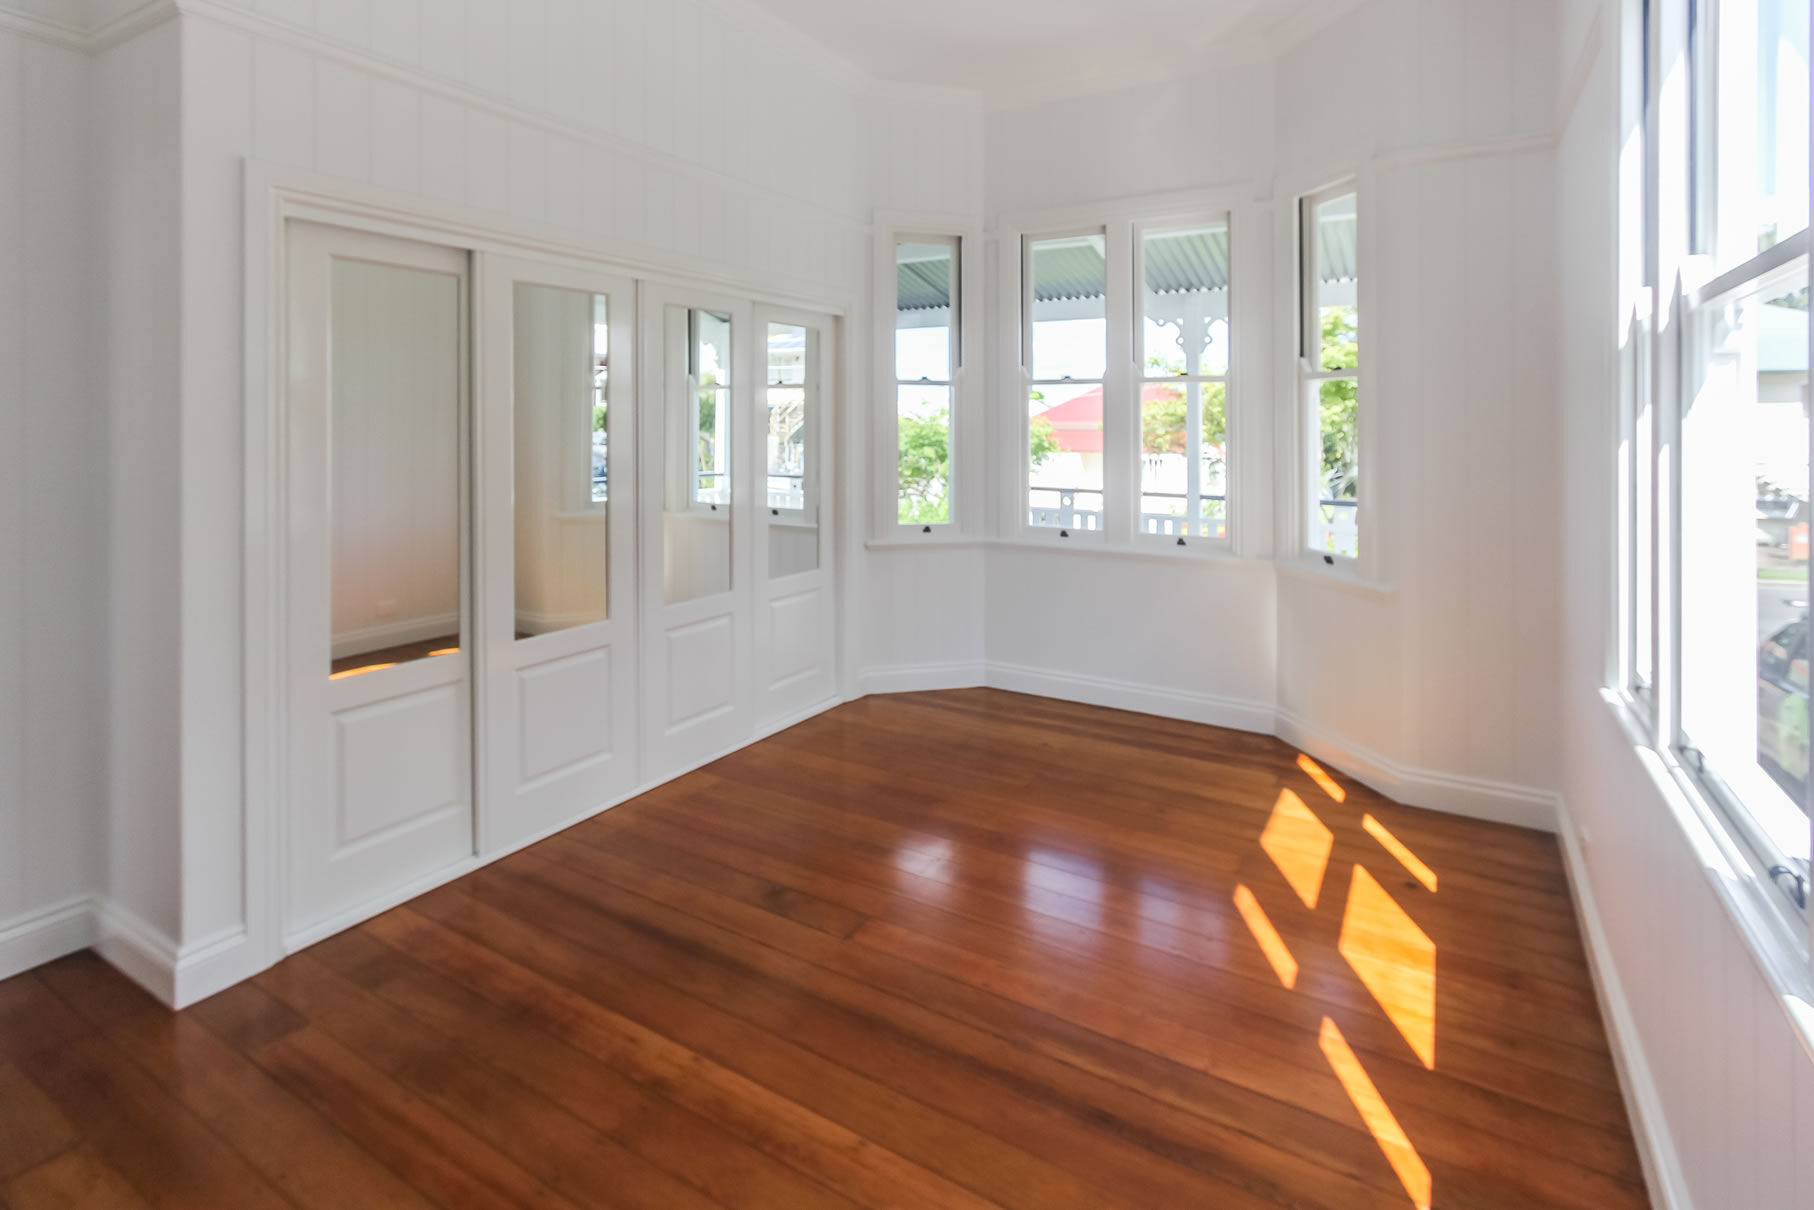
1643 1103
37 937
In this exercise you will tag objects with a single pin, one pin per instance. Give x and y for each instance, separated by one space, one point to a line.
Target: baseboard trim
1432 789
1643 1102
138 949
920 678
1127 695
46 934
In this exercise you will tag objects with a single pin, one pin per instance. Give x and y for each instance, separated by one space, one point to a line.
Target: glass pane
696 522
923 415
793 529
395 455
1181 495
1762 107
1335 511
1744 571
1338 283
924 288
1185 301
1064 452
560 409
1069 279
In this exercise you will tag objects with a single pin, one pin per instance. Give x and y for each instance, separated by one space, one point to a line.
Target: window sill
1216 554
1341 576
1768 931
932 541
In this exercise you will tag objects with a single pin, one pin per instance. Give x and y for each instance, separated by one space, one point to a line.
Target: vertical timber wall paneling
54 488
1722 1076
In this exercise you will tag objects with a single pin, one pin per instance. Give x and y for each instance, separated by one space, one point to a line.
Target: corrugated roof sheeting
1176 263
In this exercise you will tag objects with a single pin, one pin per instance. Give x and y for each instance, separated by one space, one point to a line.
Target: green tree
1337 403
1164 422
1042 440
925 469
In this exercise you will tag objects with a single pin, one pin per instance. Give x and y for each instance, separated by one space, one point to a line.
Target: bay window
1330 371
927 354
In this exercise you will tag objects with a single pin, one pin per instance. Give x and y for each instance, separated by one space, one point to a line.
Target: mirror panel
696 522
395 417
560 423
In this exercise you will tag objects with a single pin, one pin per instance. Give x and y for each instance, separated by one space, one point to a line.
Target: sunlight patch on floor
1271 944
1299 844
1396 847
1395 959
1317 774
1413 1174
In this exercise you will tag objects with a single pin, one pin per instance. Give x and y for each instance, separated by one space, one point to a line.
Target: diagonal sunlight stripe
1394 958
1384 1128
1396 847
1317 775
1299 845
1271 944
360 671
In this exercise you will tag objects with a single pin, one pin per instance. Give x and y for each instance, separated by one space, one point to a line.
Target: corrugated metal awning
1176 263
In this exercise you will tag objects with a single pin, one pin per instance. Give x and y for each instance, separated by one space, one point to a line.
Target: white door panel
557 475
698 526
796 659
380 710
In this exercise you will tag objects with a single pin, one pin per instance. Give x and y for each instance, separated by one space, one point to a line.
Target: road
1779 602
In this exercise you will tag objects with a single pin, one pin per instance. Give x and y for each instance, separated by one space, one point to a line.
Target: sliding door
796 618
378 602
557 474
698 526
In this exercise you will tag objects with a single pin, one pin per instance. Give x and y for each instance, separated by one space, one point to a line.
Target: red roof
1077 423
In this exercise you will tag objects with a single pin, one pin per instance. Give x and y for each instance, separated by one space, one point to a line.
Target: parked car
1782 708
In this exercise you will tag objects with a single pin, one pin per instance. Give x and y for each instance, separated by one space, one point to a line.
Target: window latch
1797 886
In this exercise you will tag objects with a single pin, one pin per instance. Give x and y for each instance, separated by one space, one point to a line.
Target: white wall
688 134
1719 1072
55 482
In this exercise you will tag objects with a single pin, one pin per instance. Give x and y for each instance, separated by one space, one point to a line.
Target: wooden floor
947 950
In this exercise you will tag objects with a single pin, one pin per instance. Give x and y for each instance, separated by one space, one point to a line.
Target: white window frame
1141 380
1667 277
1309 379
965 492
1113 382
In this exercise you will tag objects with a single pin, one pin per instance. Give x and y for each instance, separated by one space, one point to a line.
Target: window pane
793 530
1762 107
559 421
1069 281
1185 301
923 414
1335 511
696 455
1064 431
395 418
1744 573
924 281
1338 283
1180 495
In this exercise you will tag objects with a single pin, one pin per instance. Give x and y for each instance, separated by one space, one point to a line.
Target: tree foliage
1336 404
1165 421
925 469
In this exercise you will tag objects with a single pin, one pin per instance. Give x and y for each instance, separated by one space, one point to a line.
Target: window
927 355
1065 353
710 373
1183 343
1329 367
1718 419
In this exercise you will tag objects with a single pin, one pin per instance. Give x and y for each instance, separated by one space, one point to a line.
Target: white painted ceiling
1036 49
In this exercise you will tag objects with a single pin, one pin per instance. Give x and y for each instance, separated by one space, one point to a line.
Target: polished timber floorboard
947 950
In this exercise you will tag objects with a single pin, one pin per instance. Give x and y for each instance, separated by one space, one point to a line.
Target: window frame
809 393
1308 378
1670 228
1171 224
965 464
723 413
1111 253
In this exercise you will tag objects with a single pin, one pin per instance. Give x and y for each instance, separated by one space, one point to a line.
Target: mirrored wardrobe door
558 469
379 575
796 616
698 379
